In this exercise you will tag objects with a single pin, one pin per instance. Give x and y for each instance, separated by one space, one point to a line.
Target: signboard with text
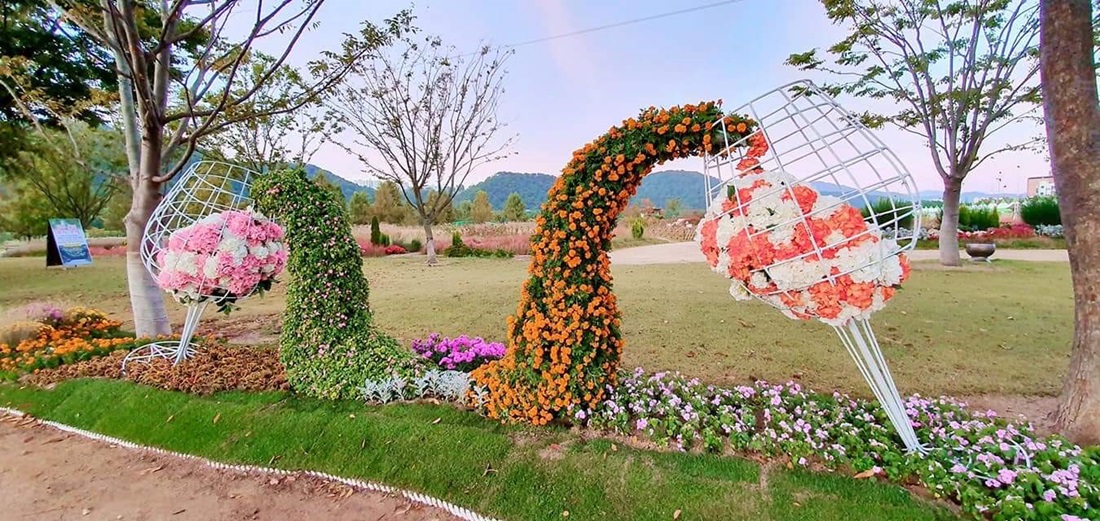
66 244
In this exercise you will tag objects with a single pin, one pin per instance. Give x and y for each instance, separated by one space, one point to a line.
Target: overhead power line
615 25
623 23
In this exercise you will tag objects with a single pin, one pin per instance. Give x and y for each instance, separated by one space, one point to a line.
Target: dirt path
679 252
46 474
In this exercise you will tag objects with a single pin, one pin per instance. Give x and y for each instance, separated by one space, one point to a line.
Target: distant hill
347 187
531 188
686 185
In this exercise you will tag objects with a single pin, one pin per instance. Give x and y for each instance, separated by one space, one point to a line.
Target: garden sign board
66 244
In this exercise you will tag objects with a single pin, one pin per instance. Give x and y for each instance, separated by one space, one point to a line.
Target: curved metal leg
176 351
860 341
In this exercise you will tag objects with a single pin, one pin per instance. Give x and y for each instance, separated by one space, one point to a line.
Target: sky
563 93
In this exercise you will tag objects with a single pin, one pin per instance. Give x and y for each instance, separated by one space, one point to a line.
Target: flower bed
461 353
62 337
214 368
992 467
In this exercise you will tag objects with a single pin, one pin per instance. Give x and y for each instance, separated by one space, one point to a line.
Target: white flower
210 268
758 280
233 245
891 271
728 227
797 274
739 292
826 206
260 252
186 262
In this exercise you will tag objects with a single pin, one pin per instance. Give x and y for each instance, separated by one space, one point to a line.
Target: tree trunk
949 224
1073 135
429 243
146 298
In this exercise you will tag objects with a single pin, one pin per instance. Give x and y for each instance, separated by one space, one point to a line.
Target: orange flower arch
564 343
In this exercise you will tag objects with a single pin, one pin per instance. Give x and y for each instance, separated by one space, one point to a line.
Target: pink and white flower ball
227 254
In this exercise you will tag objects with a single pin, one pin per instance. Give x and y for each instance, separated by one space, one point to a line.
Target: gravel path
46 474
678 252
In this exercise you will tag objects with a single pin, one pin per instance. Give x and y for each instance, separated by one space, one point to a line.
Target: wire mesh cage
196 245
205 188
813 214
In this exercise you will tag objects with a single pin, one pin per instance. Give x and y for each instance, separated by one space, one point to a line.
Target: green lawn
512 473
1003 329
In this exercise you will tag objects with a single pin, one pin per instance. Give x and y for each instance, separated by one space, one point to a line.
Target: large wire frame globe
205 188
818 144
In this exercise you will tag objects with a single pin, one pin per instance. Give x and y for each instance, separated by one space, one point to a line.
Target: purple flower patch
461 353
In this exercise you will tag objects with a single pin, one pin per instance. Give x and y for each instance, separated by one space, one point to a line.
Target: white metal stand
859 339
176 351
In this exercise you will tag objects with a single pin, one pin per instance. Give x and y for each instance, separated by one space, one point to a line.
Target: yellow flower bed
79 334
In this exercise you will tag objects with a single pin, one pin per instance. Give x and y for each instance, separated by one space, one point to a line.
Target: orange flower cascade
564 343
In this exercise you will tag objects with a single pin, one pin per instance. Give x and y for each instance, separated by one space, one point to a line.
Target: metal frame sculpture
206 188
812 144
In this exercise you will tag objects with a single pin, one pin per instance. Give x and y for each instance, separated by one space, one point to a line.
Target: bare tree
262 141
170 100
1073 135
424 118
957 71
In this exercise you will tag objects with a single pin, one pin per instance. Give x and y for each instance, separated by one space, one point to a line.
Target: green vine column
329 345
564 343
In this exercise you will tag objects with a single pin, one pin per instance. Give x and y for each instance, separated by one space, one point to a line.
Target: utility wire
616 24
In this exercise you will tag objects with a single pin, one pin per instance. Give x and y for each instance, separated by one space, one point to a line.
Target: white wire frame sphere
206 188
823 146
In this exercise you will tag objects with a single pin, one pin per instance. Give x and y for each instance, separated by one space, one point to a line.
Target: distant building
1040 186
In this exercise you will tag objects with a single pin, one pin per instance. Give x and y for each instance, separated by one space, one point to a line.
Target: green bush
637 229
1041 211
460 249
329 344
890 213
415 245
375 232
976 218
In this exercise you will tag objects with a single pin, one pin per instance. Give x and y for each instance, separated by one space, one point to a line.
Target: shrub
375 231
415 245
461 353
637 229
444 385
459 248
1053 231
1041 211
384 240
976 218
890 214
395 249
328 345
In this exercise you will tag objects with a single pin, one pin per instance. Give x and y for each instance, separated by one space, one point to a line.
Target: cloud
573 55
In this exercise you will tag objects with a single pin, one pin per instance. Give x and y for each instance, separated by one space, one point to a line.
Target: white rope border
415 497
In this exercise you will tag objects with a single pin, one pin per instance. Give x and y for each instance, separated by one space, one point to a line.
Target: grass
1000 329
447 453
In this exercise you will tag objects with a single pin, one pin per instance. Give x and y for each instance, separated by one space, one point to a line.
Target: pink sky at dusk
563 93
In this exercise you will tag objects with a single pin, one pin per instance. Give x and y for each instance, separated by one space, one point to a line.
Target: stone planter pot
980 251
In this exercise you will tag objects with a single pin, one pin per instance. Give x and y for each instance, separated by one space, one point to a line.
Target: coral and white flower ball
807 254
